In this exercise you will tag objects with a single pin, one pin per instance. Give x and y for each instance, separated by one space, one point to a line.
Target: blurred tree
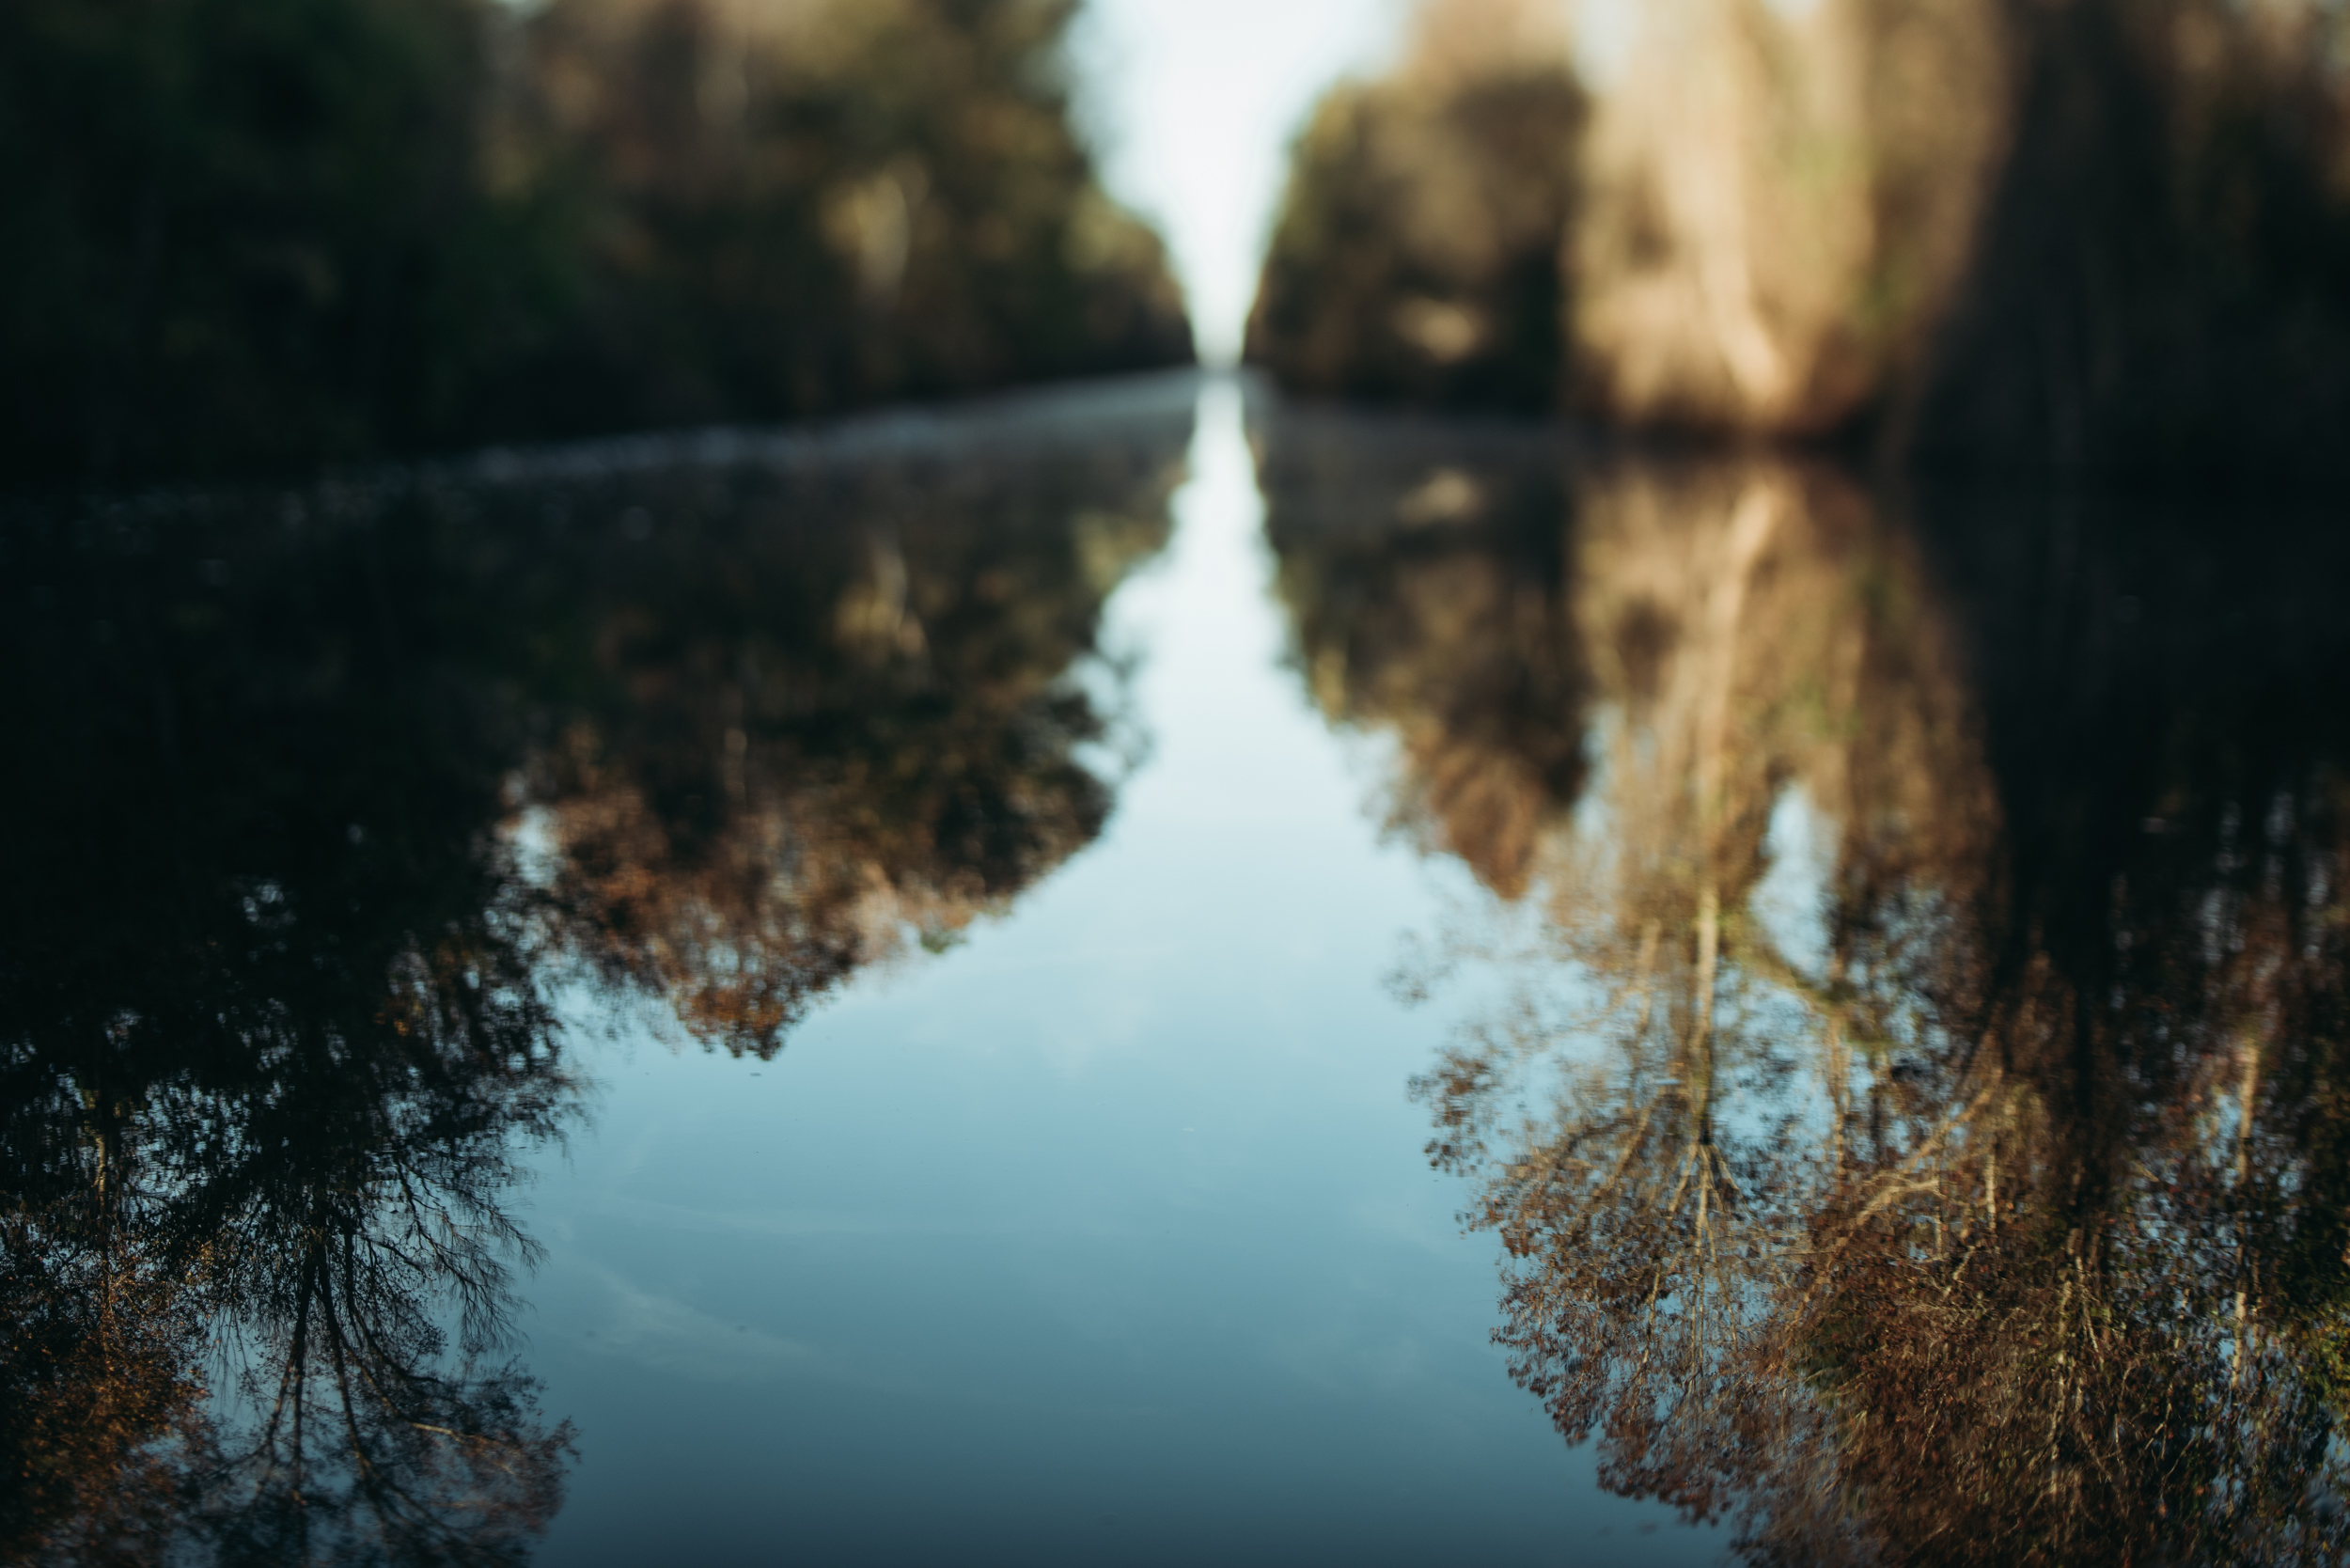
2160 275
224 225
1416 255
270 232
792 208
2078 237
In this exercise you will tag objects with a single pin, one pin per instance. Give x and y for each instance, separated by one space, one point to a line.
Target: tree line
2085 236
246 234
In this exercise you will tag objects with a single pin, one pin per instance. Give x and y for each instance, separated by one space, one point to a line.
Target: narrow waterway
1104 1236
886 992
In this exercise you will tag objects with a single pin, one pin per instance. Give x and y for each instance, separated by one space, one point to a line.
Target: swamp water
884 995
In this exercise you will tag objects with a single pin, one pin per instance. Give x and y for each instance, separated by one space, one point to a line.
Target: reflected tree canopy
1916 1131
1422 568
325 799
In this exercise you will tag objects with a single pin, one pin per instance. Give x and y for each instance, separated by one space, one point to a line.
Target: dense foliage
1417 257
258 232
2083 236
1415 253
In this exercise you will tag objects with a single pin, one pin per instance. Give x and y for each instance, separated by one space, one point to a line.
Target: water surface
889 994
1104 1235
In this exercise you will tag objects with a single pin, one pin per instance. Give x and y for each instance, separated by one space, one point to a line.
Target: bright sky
1192 103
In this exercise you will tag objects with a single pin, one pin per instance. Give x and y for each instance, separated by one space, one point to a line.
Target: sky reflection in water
876 975
1101 1237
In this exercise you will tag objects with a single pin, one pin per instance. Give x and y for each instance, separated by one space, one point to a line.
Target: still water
1141 974
1103 1235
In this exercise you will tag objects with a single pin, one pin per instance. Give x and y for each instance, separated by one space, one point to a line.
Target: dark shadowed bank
2051 236
243 234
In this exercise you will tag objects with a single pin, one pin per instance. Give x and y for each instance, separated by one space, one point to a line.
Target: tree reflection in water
320 802
1446 618
1918 1134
